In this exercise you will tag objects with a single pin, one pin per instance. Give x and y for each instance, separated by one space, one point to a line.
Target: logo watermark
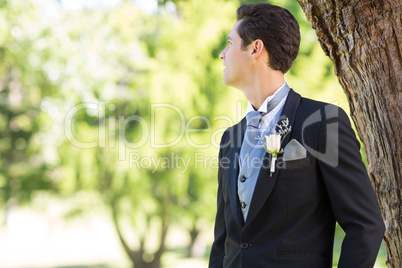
112 133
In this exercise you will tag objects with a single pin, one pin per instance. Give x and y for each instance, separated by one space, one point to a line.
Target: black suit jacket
292 215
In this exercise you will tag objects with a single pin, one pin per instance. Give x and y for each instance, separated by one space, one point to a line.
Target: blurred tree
363 39
27 80
117 74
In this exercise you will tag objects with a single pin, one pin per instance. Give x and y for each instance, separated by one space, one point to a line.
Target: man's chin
225 81
229 82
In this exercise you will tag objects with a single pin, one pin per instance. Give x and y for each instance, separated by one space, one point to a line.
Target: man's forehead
233 33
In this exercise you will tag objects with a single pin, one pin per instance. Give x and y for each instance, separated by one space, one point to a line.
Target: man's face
235 59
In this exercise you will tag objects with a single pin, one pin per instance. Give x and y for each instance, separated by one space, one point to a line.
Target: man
283 214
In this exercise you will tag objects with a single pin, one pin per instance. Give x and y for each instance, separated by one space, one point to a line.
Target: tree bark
363 39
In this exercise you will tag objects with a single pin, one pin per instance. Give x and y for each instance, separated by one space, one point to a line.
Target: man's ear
257 48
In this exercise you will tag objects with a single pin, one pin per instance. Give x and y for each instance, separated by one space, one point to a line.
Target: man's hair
275 27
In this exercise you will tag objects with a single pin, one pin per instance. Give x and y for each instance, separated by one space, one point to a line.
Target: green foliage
25 162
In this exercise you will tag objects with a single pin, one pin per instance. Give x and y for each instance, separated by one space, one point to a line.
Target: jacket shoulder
327 110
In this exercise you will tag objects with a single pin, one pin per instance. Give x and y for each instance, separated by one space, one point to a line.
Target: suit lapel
233 172
265 183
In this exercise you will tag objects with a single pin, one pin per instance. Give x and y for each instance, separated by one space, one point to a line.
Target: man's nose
222 54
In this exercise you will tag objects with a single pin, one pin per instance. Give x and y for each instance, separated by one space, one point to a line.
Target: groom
283 215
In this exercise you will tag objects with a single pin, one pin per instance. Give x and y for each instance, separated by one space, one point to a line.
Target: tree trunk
137 256
194 232
363 39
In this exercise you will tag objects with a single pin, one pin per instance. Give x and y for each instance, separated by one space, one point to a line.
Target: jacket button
243 205
243 179
244 245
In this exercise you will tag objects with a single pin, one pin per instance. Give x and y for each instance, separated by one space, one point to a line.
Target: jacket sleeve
218 247
353 200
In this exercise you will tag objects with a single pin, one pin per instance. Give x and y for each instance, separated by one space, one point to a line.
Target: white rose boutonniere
272 143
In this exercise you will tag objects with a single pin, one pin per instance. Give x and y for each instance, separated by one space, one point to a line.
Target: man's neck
262 87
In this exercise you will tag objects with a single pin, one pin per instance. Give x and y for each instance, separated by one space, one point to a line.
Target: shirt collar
263 107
